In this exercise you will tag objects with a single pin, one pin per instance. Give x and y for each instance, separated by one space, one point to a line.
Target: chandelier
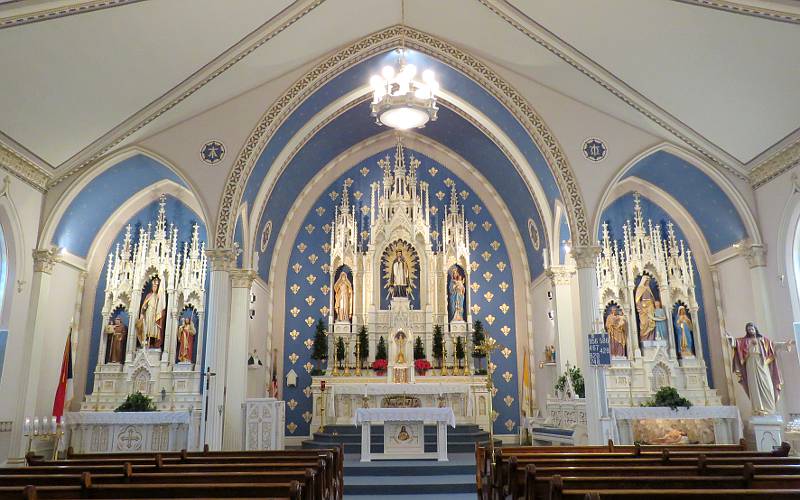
400 100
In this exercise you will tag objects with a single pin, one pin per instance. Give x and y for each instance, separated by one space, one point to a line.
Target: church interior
329 249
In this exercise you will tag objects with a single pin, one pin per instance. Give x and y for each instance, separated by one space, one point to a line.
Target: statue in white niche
343 298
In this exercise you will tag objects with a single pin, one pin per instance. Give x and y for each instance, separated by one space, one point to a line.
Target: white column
236 366
44 262
596 402
222 260
756 257
566 331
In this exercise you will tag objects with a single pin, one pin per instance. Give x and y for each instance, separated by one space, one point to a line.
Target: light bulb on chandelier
399 100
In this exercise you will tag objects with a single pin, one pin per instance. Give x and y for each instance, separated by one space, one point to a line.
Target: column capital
222 259
44 261
755 255
560 275
242 278
585 256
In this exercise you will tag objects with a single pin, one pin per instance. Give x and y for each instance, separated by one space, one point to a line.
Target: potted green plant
438 344
137 402
320 352
363 343
478 338
668 397
380 364
575 380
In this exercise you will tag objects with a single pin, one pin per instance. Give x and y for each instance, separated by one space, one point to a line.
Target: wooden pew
728 494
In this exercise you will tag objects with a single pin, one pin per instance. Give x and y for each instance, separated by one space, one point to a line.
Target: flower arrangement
137 402
422 365
379 365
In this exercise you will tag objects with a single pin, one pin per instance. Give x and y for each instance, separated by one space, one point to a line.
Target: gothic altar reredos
401 248
153 316
649 307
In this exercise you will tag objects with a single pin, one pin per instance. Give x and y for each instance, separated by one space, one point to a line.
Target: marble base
767 431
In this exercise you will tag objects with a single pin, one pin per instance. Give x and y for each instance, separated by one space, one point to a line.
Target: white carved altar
661 425
109 432
264 421
165 367
404 431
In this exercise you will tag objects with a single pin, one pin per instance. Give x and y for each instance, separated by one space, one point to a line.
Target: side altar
398 296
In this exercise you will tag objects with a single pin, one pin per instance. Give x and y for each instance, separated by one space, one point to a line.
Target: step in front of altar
399 479
462 439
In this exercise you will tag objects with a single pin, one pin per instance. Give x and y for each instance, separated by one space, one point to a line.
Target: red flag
64 388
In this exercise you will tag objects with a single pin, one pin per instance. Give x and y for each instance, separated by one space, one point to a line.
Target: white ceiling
728 81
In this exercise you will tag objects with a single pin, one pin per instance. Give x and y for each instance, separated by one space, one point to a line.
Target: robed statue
118 334
343 298
645 306
756 367
684 329
186 335
457 292
400 277
660 317
152 316
617 328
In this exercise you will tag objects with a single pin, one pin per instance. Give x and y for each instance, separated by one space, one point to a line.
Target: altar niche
647 305
152 321
116 332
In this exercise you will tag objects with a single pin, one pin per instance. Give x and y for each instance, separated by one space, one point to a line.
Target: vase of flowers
379 366
422 366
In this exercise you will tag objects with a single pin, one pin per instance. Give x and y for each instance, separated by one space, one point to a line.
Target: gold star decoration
311 279
508 400
325 289
475 286
503 286
501 266
309 343
464 193
433 171
494 390
504 308
486 225
506 352
435 234
307 391
357 195
310 228
326 247
333 195
494 415
364 171
365 210
309 321
292 427
310 300
294 334
471 225
507 376
348 182
302 247
505 330
434 210
308 366
294 311
488 296
320 211
474 266
476 209
326 268
449 182
292 404
486 255
295 288
440 195
307 416
293 357
487 276
510 424
473 245
475 309
327 228
490 319
313 258
495 245
492 367
324 310
364 235
297 267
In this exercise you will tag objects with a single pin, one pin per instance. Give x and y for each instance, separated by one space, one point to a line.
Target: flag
527 390
64 388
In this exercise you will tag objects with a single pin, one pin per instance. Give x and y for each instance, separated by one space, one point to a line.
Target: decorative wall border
745 9
618 89
69 10
23 169
775 165
364 48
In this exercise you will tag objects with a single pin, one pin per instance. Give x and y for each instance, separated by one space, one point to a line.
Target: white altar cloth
110 432
386 389
727 420
411 422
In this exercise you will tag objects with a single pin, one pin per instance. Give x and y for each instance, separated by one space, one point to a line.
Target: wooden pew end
30 493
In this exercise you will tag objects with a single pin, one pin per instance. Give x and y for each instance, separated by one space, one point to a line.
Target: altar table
110 432
722 423
404 431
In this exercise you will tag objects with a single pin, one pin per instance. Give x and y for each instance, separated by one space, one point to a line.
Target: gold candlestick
335 361
346 356
444 358
358 357
455 362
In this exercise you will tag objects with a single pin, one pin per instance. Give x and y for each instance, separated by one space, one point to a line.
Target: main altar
392 295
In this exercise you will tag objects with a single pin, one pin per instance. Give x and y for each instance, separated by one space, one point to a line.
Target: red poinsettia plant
379 365
422 365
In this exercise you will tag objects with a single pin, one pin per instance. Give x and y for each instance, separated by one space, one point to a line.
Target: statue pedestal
766 431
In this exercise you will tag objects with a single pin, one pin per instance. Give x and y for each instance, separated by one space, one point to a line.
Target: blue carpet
410 479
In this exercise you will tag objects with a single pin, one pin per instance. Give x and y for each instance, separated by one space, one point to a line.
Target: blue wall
618 213
177 213
313 236
104 194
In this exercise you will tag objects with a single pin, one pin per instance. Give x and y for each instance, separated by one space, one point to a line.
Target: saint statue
645 306
343 298
755 365
400 276
152 316
119 335
660 318
685 332
457 293
617 328
186 334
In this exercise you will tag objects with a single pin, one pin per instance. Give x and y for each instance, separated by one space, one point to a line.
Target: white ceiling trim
23 168
72 9
192 84
775 165
617 87
747 9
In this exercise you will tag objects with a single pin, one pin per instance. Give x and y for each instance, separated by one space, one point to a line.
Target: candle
52 425
35 426
365 390
26 429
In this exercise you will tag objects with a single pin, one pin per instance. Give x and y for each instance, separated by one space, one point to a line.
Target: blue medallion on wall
594 149
212 152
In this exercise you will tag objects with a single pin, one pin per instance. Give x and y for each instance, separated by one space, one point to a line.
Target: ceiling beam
754 8
34 14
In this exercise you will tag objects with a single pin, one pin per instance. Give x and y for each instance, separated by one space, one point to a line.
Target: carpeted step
416 485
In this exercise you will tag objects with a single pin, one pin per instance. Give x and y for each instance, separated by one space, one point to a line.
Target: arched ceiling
89 76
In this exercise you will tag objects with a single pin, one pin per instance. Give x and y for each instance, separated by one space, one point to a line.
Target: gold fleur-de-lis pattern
309 286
